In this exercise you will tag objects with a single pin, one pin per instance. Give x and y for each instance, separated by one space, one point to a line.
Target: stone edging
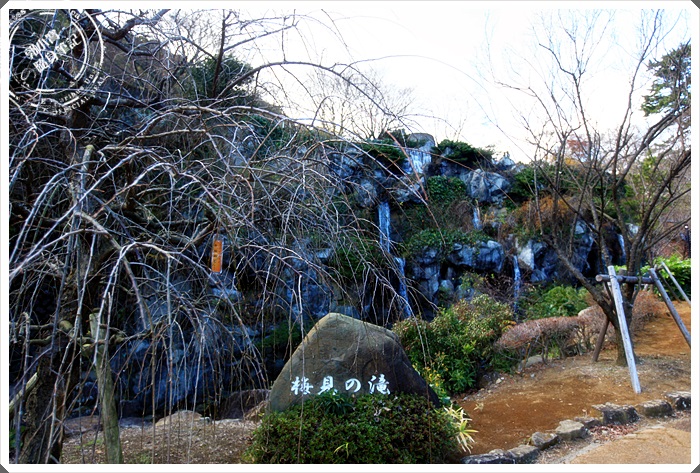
611 414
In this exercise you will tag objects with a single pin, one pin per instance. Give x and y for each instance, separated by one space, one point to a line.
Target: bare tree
627 178
114 206
358 103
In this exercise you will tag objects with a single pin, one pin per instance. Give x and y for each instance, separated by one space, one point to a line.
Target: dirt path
507 413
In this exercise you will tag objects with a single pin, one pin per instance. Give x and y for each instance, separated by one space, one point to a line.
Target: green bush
452 350
463 153
283 339
441 240
558 301
445 190
365 429
354 254
385 152
680 268
523 186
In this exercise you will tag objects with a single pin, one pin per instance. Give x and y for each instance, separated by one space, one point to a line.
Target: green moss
386 152
283 339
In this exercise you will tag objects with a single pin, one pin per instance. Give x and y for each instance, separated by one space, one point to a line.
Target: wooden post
601 339
626 341
678 286
670 306
626 279
108 407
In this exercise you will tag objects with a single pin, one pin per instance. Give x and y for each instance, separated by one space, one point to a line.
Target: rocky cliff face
432 226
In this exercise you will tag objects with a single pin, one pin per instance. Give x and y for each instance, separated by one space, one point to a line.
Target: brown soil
511 409
505 414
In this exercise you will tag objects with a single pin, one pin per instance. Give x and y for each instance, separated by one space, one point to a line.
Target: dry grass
189 438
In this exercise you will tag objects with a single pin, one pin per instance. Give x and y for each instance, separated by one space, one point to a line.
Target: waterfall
384 222
516 281
384 217
476 220
401 263
417 160
621 240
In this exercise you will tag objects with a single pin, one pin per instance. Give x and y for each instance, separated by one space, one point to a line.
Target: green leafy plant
442 240
458 344
445 190
378 429
680 268
332 402
461 420
353 254
463 153
557 301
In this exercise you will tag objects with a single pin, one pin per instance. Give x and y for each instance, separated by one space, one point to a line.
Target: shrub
680 269
458 344
385 152
283 339
571 334
539 336
523 187
445 190
463 153
354 254
365 429
441 240
558 301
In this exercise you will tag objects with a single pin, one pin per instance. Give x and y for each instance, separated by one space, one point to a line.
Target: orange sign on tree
217 254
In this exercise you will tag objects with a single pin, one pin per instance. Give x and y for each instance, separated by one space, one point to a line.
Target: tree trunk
38 445
108 407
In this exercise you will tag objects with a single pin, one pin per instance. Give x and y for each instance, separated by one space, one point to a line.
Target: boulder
486 256
588 422
407 192
487 187
543 440
424 269
181 420
505 163
347 356
238 404
523 454
679 399
488 459
616 415
570 430
658 408
366 194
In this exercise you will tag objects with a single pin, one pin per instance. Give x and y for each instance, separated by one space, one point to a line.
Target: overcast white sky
438 49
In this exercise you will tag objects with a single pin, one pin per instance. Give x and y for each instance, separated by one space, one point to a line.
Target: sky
441 51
